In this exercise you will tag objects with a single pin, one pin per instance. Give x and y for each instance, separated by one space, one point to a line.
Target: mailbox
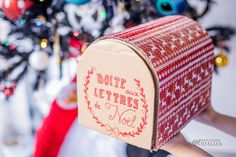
144 84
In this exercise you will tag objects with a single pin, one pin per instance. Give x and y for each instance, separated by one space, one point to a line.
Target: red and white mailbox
143 85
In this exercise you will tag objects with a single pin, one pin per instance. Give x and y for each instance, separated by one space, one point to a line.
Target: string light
22 22
75 34
39 23
42 18
12 47
104 15
44 43
6 43
221 60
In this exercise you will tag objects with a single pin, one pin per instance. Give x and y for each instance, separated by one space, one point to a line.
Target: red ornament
13 9
75 47
75 43
9 90
12 47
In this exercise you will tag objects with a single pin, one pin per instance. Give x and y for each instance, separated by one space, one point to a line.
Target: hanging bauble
12 47
77 2
221 60
13 9
88 17
75 47
75 43
39 60
9 89
171 7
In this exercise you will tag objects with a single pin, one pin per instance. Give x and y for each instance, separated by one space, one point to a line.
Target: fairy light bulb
75 34
6 43
44 43
221 60
103 14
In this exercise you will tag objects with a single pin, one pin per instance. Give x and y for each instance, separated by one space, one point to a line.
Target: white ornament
39 60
